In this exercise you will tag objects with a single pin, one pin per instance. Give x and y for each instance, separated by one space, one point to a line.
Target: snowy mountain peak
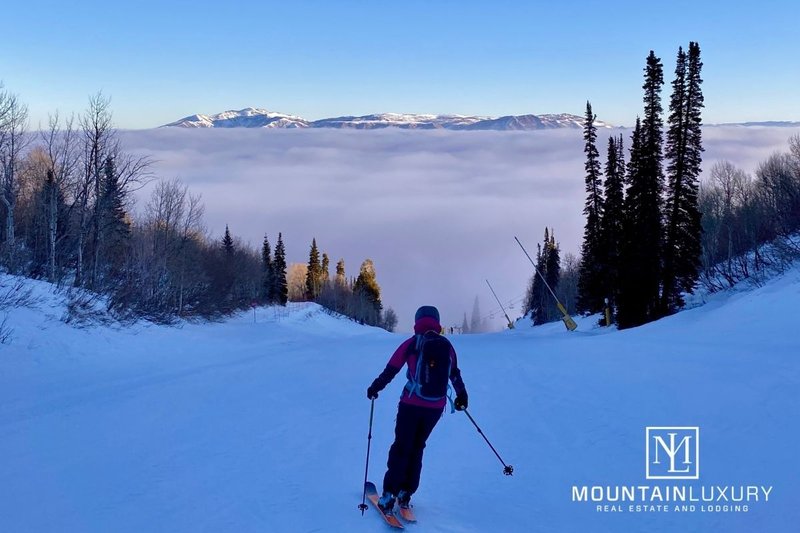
249 117
261 118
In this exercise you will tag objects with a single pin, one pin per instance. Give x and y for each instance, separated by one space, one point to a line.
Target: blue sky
160 61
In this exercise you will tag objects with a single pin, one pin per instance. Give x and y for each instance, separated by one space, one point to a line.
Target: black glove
381 381
461 402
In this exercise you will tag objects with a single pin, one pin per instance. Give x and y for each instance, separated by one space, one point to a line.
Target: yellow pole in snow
568 322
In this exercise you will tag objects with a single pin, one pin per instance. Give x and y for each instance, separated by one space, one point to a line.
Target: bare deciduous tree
750 224
296 281
780 190
13 140
100 145
173 218
97 141
62 156
567 289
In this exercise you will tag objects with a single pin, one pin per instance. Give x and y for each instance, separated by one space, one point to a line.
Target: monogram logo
672 452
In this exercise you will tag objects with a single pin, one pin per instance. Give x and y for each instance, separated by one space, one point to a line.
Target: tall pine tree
639 298
553 276
538 300
537 289
368 295
475 323
341 278
114 227
682 246
280 287
227 243
611 226
325 274
591 284
313 273
267 291
225 277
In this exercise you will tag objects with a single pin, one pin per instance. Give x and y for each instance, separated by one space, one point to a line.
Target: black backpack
432 378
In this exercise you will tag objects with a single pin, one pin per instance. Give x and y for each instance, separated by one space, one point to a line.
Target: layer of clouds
436 210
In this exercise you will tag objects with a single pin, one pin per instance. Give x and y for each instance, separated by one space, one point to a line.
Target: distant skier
431 362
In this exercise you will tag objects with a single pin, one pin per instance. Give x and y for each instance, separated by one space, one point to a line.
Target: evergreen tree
367 293
591 285
280 287
536 297
325 274
475 325
227 243
267 285
653 175
639 297
631 306
465 325
634 161
553 276
114 226
314 273
341 279
682 246
653 125
621 168
224 276
538 300
611 226
540 291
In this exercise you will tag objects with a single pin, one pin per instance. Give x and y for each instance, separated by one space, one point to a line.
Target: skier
421 403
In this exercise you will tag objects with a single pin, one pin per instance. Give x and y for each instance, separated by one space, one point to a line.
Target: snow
260 424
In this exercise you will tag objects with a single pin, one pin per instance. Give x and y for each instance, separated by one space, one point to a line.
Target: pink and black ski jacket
404 355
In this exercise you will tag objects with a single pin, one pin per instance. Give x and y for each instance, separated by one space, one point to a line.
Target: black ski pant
414 426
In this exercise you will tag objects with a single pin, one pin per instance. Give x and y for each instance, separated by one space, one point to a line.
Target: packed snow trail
261 426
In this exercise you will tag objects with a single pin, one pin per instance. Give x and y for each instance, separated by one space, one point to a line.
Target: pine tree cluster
642 240
538 299
274 288
358 298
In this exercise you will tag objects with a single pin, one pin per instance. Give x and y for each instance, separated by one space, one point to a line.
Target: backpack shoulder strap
413 346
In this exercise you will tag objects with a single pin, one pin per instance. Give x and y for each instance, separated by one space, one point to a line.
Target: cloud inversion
435 210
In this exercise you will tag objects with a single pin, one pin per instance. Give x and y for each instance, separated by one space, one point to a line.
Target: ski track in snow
261 426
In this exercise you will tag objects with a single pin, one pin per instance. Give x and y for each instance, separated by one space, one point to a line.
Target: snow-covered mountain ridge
251 117
261 118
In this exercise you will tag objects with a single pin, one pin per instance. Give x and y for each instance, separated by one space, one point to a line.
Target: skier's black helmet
427 310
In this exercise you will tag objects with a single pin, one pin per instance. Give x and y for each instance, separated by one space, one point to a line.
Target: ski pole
507 469
363 505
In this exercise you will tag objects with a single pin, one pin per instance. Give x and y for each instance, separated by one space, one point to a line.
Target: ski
407 514
372 496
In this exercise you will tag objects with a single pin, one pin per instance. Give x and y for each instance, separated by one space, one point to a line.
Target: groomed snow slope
261 426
